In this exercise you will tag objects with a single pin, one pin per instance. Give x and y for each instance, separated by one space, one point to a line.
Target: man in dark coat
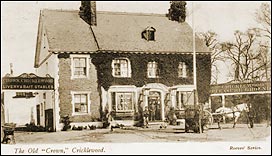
251 115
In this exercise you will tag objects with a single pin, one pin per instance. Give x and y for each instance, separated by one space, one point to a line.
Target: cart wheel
209 118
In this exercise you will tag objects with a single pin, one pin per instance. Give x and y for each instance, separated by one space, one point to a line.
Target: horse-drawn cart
192 115
8 129
232 113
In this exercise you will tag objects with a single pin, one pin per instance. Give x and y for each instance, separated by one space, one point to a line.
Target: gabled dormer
149 34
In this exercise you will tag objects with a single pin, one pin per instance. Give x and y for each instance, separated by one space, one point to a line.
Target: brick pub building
120 62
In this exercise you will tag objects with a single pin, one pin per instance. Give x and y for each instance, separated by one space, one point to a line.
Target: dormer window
149 34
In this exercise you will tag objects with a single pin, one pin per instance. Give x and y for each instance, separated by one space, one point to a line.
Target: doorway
154 106
38 115
49 120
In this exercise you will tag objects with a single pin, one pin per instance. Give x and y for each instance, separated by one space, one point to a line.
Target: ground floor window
80 103
123 101
184 98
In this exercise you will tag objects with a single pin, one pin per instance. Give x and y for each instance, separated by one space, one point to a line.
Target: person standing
152 110
251 115
146 115
112 123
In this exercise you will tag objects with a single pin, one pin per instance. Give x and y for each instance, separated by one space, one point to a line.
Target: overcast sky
19 23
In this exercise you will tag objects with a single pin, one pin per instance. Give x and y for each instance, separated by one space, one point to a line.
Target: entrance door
154 106
49 120
38 115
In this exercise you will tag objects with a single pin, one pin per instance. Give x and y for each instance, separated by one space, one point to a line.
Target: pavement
152 134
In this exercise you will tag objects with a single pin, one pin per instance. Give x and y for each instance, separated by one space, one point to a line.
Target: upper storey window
182 70
121 67
152 69
80 66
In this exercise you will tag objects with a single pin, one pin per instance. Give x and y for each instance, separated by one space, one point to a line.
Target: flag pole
195 73
194 49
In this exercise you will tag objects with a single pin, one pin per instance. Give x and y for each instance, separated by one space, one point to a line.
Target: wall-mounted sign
28 82
240 87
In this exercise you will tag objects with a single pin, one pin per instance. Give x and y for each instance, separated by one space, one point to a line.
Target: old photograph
135 77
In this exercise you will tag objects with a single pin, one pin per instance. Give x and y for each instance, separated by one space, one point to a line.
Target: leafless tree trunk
263 16
250 52
244 55
211 41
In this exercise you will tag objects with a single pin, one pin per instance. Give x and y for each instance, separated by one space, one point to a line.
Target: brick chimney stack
87 12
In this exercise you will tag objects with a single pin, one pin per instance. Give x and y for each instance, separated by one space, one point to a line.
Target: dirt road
154 134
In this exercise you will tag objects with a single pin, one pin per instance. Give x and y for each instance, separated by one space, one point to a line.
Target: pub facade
116 62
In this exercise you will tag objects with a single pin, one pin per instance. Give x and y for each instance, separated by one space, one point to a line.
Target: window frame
88 100
148 33
132 101
181 66
156 69
188 95
86 57
128 68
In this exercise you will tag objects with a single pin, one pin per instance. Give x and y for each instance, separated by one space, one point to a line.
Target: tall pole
194 47
195 74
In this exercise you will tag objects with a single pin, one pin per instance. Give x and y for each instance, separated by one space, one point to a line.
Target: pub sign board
241 87
28 82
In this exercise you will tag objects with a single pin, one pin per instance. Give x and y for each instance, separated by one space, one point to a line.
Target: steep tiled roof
67 32
122 32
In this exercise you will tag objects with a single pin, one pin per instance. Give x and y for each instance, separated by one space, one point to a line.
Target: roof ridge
131 13
61 10
110 12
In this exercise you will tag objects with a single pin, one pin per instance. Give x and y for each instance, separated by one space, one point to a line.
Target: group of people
151 113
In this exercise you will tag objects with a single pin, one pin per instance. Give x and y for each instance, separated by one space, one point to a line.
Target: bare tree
264 59
244 55
250 52
263 16
211 41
